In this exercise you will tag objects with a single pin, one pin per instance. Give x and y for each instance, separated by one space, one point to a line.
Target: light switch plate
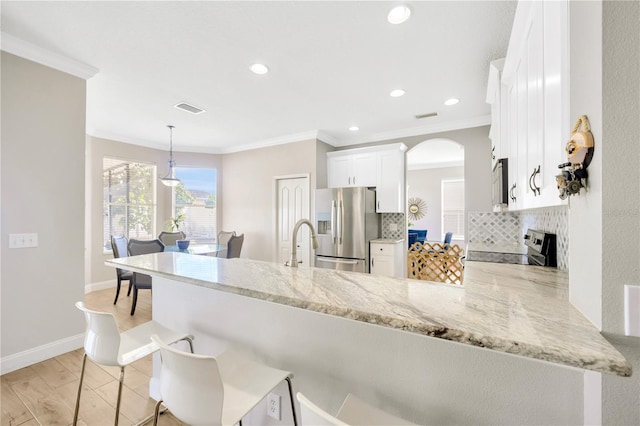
393 227
632 310
23 240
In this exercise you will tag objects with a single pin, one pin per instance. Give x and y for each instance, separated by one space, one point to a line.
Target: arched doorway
435 185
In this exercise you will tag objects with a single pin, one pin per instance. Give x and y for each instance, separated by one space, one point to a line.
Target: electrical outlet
393 227
273 406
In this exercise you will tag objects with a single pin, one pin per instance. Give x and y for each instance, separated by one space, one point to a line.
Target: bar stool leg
115 423
75 414
293 405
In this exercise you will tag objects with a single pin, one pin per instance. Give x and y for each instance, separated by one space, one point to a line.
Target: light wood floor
45 393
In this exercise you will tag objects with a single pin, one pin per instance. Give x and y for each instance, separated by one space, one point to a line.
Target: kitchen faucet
293 262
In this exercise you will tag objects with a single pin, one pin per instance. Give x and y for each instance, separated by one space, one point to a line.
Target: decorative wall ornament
417 208
579 153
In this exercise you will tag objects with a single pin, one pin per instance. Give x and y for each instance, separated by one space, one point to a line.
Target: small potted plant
175 222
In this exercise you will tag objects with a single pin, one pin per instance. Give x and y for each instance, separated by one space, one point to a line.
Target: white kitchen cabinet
349 170
535 103
387 257
495 98
379 166
390 193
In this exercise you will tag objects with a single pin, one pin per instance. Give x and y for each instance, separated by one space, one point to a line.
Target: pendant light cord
170 147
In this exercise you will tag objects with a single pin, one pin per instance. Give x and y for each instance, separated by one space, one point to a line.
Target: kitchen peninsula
345 332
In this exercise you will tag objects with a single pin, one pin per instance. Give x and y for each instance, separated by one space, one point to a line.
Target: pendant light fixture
169 179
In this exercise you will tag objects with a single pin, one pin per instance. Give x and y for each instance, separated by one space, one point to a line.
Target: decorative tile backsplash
394 218
495 228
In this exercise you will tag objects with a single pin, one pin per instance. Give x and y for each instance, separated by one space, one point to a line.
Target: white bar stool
354 411
105 345
221 390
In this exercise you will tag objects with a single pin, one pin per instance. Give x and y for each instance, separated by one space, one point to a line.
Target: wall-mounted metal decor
417 208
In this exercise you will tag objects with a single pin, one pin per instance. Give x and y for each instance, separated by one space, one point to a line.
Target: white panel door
293 205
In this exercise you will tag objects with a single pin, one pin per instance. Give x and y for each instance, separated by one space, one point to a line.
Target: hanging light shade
170 179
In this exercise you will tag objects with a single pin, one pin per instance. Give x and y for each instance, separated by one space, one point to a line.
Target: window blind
128 200
453 207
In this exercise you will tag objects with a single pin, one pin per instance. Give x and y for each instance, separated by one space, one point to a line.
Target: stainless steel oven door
341 264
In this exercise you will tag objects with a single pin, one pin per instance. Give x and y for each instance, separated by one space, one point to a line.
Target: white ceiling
332 65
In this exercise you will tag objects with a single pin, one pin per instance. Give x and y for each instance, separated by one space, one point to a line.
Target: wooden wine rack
436 262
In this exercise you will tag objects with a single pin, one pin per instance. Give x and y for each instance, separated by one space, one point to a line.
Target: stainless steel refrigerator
346 220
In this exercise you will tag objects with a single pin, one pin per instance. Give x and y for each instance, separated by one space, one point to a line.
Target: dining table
215 250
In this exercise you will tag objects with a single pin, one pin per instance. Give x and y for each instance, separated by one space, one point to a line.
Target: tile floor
45 393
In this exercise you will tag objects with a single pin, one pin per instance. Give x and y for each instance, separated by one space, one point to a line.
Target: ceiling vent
189 108
431 114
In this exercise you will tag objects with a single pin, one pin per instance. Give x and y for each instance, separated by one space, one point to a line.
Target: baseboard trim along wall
90 288
34 355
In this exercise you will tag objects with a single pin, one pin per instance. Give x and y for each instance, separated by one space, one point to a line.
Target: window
194 201
453 207
128 200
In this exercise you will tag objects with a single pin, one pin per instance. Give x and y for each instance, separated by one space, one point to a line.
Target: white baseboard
90 288
31 356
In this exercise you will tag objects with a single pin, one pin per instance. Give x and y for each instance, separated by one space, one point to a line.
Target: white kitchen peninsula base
349 332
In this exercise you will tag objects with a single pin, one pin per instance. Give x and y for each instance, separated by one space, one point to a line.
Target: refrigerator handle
334 221
340 223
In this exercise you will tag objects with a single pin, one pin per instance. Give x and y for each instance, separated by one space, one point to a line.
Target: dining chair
171 238
104 344
119 249
221 390
223 240
234 246
142 281
354 411
447 237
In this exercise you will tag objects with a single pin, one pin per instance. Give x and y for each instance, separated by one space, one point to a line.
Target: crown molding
447 126
299 137
280 140
24 49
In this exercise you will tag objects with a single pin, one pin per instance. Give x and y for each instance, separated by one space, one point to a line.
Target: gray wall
43 134
249 191
427 185
97 149
604 223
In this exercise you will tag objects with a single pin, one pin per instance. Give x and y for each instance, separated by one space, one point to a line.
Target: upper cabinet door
339 172
350 170
390 188
365 169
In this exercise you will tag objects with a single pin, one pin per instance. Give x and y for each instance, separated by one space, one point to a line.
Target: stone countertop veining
517 309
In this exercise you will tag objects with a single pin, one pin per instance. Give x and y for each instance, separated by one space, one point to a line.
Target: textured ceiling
332 65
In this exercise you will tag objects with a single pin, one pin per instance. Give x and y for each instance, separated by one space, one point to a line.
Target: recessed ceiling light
399 14
451 101
354 128
397 93
259 68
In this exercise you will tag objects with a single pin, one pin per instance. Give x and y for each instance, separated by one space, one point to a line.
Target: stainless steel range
541 248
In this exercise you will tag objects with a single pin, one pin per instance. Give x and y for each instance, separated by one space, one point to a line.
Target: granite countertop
513 248
387 240
517 309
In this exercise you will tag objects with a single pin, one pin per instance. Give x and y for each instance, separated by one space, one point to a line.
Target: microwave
500 185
